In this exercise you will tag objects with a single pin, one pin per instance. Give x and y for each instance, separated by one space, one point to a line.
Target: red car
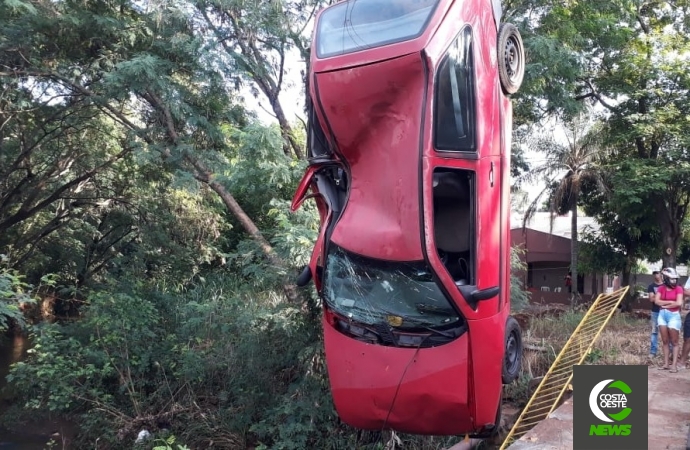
409 163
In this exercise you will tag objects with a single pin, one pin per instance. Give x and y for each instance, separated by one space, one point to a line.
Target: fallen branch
535 348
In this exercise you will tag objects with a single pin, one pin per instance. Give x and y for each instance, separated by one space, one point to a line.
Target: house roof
541 221
541 246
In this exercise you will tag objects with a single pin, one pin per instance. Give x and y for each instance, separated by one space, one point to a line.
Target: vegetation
624 341
566 168
628 61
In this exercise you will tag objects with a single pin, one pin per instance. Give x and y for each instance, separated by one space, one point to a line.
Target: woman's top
670 295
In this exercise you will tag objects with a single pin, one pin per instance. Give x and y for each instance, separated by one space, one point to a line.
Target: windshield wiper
424 324
434 309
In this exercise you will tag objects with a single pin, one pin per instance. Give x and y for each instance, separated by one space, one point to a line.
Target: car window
363 24
454 127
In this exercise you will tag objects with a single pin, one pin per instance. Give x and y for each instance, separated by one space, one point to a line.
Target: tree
627 231
257 40
150 71
565 168
630 60
49 157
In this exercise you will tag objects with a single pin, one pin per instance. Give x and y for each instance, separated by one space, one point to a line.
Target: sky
291 96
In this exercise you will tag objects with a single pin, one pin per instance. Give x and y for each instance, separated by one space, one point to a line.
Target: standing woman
669 297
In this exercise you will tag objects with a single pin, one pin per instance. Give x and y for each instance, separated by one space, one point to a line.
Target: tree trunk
286 128
202 174
257 64
670 232
669 245
573 253
625 281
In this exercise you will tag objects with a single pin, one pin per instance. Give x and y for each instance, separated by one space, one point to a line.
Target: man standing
651 293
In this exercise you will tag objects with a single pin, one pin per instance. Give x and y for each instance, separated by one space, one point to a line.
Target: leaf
17 5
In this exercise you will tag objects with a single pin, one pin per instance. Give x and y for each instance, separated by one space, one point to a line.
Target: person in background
651 295
569 282
669 297
685 351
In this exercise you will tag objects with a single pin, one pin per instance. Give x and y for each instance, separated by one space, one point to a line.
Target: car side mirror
304 277
473 295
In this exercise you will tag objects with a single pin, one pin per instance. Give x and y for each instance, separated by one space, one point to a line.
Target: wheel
511 58
513 351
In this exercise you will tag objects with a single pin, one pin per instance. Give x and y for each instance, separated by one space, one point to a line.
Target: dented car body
409 161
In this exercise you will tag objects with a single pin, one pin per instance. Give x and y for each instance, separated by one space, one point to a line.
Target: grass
624 340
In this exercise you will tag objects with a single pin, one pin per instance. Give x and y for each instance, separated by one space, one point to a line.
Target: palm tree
567 163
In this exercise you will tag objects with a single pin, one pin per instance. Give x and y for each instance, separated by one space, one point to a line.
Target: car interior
453 222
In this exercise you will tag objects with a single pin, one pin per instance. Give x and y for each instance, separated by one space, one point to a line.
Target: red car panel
374 111
376 387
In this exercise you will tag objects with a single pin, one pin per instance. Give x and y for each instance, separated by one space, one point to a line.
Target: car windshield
361 24
369 291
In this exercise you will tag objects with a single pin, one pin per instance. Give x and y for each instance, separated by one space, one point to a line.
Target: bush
208 364
519 297
16 294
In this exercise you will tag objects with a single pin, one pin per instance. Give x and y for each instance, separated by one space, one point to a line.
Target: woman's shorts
669 319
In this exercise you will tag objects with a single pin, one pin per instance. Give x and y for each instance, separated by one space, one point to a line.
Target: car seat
452 222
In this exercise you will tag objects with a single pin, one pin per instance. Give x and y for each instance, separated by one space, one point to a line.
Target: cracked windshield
371 291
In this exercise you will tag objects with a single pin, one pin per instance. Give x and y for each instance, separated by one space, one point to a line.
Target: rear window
454 110
363 24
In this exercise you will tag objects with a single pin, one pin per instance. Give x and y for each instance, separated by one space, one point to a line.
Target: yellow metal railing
556 381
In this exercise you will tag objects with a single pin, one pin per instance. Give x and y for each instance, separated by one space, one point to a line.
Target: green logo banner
610 407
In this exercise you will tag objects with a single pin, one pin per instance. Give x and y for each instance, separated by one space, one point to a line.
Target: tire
512 357
511 58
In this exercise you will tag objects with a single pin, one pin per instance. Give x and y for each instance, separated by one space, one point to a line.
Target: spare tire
512 357
511 58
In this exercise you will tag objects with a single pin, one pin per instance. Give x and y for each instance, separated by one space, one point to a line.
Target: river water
36 434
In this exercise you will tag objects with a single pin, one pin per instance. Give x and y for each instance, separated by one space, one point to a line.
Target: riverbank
34 434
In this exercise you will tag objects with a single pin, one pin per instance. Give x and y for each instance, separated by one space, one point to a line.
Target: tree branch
24 213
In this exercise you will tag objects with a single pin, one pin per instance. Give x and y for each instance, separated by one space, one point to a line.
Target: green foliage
16 293
141 353
629 62
169 444
519 392
13 292
593 356
122 129
519 296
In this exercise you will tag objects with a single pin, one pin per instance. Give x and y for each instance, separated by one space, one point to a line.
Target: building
546 255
